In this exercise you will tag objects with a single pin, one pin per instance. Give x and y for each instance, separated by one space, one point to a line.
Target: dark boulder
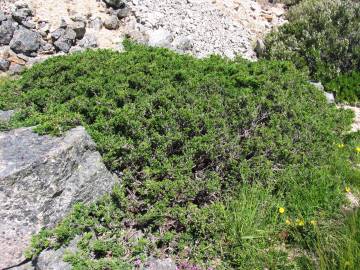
26 42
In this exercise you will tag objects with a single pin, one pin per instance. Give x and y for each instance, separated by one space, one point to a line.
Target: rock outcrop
41 177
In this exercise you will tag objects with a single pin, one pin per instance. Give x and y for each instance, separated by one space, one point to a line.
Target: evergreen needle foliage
207 150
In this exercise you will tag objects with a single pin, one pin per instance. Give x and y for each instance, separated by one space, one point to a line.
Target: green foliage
291 2
322 36
346 87
207 150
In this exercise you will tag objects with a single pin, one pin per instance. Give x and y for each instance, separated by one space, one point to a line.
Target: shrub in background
322 36
346 87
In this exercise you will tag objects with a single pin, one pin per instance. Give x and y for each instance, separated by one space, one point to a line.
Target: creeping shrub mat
224 164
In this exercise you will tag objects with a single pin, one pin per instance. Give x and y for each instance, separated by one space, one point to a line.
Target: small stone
47 48
21 14
117 4
57 33
7 30
5 116
112 23
161 264
29 24
259 48
183 43
44 29
15 69
329 97
268 17
21 4
78 19
17 60
160 38
96 23
76 49
69 34
122 13
63 24
4 65
5 52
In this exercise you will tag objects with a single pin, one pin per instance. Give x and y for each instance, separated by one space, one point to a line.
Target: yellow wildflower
281 210
347 189
313 222
357 149
288 221
341 145
300 222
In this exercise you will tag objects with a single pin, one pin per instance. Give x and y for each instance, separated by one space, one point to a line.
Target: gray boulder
55 35
22 14
79 28
89 41
41 177
115 3
66 40
112 23
26 42
7 30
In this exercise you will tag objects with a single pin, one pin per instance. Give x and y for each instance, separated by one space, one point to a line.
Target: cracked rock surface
41 177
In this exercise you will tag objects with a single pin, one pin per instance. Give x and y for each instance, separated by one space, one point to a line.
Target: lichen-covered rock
41 177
